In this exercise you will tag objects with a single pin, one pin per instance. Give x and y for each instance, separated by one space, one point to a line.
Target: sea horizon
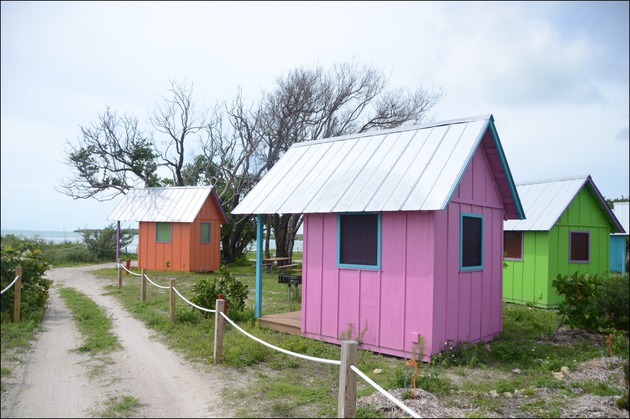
63 236
57 236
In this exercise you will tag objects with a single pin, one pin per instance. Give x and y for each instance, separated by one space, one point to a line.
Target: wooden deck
284 322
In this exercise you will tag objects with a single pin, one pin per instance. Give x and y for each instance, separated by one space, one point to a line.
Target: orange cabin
179 227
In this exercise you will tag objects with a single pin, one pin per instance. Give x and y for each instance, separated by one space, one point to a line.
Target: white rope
159 286
310 358
132 273
193 304
11 284
385 393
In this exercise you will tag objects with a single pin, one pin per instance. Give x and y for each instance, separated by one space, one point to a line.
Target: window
513 245
359 240
163 232
578 246
205 232
471 242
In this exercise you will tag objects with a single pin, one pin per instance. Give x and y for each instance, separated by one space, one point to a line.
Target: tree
112 156
177 120
230 163
239 143
311 104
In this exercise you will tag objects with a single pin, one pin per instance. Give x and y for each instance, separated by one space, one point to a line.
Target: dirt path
55 381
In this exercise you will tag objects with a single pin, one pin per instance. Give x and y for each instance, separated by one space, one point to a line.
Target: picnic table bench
269 262
290 279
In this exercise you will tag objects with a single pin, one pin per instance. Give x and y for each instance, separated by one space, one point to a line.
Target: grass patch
92 321
118 407
284 386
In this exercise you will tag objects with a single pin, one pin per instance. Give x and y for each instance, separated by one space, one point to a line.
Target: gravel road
54 381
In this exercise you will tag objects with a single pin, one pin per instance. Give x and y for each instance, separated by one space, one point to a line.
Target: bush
34 293
102 243
594 302
207 291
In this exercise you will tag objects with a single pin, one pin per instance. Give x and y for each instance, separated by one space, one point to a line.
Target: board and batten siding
185 252
546 254
419 290
468 305
205 256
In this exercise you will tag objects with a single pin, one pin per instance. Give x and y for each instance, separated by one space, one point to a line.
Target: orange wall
186 252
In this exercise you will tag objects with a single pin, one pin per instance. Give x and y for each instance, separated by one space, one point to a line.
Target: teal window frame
340 239
464 238
161 232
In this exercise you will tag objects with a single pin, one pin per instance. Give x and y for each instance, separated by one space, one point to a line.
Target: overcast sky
554 75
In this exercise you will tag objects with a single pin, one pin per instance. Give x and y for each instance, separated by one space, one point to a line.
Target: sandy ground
54 381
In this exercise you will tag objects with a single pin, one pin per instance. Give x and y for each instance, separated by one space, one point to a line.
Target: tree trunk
285 229
267 235
236 237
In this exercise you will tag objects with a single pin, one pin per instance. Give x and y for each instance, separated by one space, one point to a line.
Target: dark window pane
579 246
358 239
471 241
513 244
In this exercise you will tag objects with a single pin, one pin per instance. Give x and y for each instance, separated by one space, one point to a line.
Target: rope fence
349 350
11 284
17 295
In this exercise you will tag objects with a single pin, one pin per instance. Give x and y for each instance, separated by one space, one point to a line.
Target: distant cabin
619 241
179 227
567 230
403 233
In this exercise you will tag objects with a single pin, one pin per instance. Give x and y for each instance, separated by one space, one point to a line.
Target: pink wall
419 289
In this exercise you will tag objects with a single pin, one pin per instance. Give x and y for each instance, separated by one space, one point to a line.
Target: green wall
546 254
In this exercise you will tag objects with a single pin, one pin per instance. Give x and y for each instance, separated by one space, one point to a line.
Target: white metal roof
544 202
622 212
169 204
406 168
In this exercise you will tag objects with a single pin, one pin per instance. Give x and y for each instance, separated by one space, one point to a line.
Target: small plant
348 334
234 292
622 402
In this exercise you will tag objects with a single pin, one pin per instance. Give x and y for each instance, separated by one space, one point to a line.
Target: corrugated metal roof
406 168
169 204
545 201
622 212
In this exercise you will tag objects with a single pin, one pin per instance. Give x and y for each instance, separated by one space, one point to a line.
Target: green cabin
567 229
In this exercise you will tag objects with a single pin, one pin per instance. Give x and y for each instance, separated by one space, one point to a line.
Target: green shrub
102 243
34 292
206 292
614 300
594 302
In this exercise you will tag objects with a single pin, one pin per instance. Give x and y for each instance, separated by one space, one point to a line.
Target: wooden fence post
17 295
172 299
219 326
119 276
143 286
347 401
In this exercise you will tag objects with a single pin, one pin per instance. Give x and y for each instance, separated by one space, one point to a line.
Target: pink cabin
403 234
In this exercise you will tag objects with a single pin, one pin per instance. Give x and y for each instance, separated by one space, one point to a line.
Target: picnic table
269 262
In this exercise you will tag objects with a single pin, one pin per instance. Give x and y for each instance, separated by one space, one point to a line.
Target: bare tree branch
112 156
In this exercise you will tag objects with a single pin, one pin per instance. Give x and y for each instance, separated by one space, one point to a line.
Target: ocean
59 237
71 236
